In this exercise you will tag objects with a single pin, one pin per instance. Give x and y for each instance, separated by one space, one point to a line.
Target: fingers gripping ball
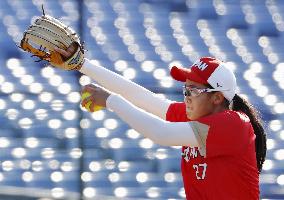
87 106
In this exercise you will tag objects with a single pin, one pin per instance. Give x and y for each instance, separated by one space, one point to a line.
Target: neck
218 109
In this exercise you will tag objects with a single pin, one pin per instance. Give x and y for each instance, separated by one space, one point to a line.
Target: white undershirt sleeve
131 91
160 131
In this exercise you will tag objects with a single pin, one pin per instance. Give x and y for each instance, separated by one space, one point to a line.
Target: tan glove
46 35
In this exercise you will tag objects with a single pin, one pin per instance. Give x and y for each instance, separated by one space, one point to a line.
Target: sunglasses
194 92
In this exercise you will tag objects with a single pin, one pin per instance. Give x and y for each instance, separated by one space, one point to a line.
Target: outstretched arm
136 94
160 131
53 41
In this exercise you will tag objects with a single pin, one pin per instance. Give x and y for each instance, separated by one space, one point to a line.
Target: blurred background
51 148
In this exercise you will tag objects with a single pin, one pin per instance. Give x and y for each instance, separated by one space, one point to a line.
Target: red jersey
224 166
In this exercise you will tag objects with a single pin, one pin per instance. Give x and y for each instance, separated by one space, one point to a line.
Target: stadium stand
52 148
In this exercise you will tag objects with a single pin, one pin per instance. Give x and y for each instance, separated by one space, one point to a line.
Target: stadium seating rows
43 127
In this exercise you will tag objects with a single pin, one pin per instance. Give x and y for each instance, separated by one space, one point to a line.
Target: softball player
222 138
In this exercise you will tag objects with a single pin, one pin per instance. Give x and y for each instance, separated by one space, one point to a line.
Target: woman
224 143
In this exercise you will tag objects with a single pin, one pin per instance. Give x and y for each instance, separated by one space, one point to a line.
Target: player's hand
66 54
98 96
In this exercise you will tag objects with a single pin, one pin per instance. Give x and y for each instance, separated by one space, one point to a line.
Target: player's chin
189 114
192 115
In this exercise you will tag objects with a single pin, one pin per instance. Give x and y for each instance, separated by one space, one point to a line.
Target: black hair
240 104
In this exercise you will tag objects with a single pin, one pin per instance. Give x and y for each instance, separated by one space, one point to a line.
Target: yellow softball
87 106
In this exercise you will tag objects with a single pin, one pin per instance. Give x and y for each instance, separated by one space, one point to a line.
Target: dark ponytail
240 104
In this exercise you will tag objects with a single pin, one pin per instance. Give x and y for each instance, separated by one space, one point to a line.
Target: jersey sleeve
229 133
176 112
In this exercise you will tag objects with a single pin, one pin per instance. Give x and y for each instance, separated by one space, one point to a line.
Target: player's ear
218 98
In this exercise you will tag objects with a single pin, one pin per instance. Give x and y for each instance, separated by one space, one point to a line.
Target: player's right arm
136 94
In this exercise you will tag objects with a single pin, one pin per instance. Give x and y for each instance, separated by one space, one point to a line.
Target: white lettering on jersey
201 65
198 168
193 153
189 153
185 154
